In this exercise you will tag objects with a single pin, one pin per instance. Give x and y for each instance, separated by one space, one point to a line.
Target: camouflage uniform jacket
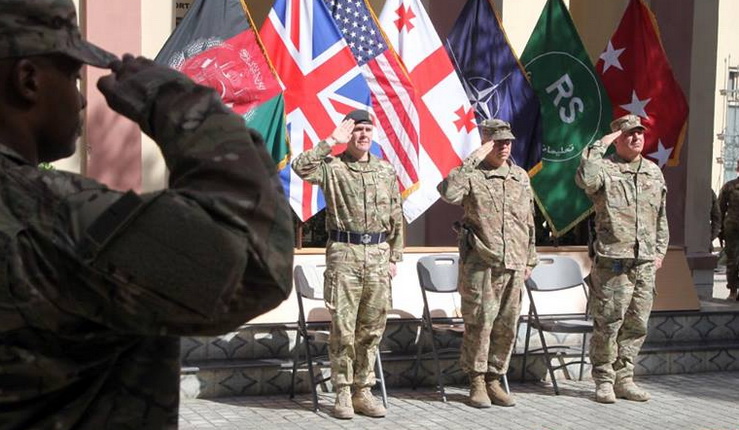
91 308
497 208
728 202
630 215
360 197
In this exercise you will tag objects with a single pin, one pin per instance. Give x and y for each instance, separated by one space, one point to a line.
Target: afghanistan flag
216 45
575 111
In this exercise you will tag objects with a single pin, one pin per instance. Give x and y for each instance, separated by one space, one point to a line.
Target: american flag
393 96
322 84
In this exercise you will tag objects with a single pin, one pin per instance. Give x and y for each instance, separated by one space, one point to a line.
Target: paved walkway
693 401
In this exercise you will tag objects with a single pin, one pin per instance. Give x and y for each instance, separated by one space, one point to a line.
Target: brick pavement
687 401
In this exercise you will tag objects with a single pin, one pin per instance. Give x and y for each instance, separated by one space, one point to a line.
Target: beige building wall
519 18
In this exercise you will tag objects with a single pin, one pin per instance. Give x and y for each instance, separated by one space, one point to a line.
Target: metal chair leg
505 384
419 352
582 355
548 361
296 359
526 349
381 377
437 366
309 359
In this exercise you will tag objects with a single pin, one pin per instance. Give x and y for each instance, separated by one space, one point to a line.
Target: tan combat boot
496 392
628 390
604 392
478 394
343 407
366 404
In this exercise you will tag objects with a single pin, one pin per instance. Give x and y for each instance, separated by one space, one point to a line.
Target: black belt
357 238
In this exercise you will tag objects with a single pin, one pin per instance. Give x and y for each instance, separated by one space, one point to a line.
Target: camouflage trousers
358 296
731 249
491 304
621 301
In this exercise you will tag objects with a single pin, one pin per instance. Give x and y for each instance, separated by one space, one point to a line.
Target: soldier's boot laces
630 391
604 393
366 404
478 392
343 407
497 393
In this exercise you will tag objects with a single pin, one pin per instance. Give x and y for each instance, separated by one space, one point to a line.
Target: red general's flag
446 117
216 45
638 78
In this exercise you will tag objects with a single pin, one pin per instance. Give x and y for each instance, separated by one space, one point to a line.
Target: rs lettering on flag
575 112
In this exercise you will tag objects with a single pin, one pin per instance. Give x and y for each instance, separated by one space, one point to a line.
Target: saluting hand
610 138
342 133
483 151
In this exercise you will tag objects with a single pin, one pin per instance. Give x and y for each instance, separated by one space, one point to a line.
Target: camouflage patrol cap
626 123
501 129
359 116
39 27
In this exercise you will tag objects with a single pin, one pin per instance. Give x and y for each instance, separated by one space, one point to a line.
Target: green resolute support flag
575 112
216 45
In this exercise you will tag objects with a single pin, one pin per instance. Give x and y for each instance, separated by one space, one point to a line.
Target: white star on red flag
636 106
610 57
661 155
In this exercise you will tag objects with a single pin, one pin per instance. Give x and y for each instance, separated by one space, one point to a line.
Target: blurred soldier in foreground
628 193
497 253
364 220
96 285
728 202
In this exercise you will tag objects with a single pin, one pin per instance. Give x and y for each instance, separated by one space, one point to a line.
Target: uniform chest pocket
651 191
488 193
517 198
377 185
619 193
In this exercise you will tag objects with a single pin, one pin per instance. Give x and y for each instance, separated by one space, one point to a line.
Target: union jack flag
393 96
322 84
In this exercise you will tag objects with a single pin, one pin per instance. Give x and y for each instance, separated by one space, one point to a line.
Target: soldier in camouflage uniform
728 202
364 220
497 253
96 285
628 193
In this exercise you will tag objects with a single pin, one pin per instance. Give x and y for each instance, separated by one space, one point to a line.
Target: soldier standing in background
497 253
628 193
715 221
364 219
96 285
728 202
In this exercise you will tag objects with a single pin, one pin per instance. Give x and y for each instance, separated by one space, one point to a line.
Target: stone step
228 378
257 359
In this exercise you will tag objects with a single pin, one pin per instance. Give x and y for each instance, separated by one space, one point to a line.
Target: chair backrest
556 287
556 272
309 280
438 273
